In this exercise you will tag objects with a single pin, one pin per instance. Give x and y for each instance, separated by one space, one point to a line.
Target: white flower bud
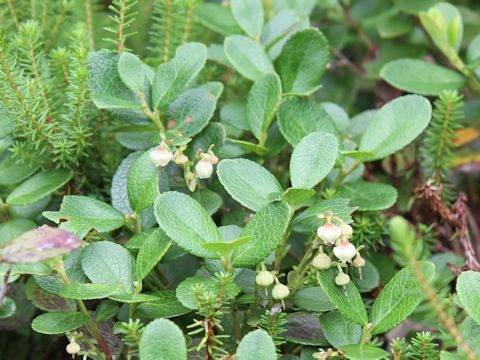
161 156
264 278
346 230
204 169
181 159
345 251
342 279
358 262
322 261
329 233
73 348
280 292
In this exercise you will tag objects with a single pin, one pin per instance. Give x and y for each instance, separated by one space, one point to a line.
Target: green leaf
312 159
142 183
7 308
247 182
223 248
87 291
312 299
172 78
247 57
298 117
267 228
13 228
38 245
421 77
108 89
370 278
304 328
12 172
133 298
368 196
256 345
214 134
186 295
58 322
166 305
234 113
363 352
186 222
132 72
39 186
303 61
83 214
155 246
469 329
348 301
249 15
217 18
468 290
109 263
263 100
396 125
339 330
119 189
297 198
162 339
191 111
209 199
399 298
307 221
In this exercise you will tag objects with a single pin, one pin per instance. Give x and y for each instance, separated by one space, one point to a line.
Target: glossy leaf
339 330
162 339
421 77
153 248
303 61
312 159
395 126
109 263
39 186
399 298
368 196
83 214
247 182
266 228
186 222
263 100
249 15
348 301
256 345
468 289
247 57
58 322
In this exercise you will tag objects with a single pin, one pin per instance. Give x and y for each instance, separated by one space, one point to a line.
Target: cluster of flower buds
162 155
266 278
335 234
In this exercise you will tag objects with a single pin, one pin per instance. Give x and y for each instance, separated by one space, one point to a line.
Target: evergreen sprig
423 348
123 16
274 321
438 144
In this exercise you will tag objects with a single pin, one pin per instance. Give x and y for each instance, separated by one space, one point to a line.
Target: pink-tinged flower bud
280 292
161 156
346 230
73 348
264 278
358 262
345 251
204 169
322 261
342 279
329 233
214 159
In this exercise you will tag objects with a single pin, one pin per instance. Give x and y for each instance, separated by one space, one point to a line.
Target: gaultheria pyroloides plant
177 181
